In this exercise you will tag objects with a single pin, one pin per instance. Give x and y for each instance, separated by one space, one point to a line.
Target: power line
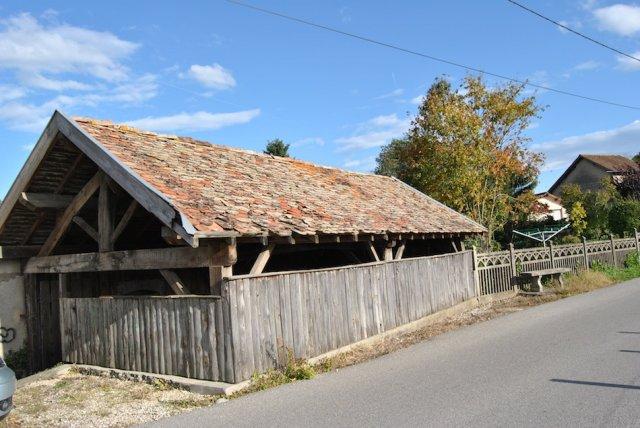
577 33
431 57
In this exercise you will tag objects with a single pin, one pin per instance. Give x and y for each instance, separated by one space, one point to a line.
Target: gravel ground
76 400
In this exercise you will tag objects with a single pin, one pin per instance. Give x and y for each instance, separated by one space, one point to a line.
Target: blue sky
222 73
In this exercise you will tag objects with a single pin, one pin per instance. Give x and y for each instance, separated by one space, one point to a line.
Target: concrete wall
12 320
586 175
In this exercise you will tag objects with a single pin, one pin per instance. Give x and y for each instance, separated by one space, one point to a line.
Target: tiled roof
613 163
225 189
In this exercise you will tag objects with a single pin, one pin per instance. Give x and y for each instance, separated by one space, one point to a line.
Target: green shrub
18 362
624 216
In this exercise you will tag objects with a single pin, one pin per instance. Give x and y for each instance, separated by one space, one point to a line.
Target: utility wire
577 33
423 55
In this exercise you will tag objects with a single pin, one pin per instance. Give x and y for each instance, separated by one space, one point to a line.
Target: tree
597 205
277 147
467 149
578 217
629 184
624 216
636 158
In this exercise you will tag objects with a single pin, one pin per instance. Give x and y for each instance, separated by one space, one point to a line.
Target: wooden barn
102 210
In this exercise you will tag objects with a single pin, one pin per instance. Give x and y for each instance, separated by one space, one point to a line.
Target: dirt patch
76 400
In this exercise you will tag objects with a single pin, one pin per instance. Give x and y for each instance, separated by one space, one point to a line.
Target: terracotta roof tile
613 163
225 189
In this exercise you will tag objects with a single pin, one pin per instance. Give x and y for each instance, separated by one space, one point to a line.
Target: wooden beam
171 237
158 258
34 201
124 221
174 282
105 219
372 251
400 250
89 230
67 216
262 259
388 250
216 277
57 190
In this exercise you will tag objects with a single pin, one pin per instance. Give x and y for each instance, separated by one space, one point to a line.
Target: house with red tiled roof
102 209
588 171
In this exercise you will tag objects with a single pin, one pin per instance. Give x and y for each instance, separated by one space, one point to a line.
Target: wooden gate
43 320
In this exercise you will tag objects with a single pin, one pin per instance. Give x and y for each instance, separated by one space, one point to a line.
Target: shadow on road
630 351
605 384
629 332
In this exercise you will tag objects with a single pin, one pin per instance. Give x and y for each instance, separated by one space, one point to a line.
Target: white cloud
25 116
622 19
36 80
417 100
27 46
212 76
587 65
198 121
309 141
375 132
622 140
393 94
629 64
365 164
10 93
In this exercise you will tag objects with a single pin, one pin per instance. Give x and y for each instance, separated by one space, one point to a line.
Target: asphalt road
571 362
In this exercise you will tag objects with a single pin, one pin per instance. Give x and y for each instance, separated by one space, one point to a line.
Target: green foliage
468 149
18 362
570 239
631 268
636 158
578 217
277 147
294 369
624 216
596 204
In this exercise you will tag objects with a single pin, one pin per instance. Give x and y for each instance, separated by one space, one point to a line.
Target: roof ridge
129 128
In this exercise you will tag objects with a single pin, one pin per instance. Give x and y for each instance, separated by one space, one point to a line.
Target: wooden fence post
635 234
585 254
512 260
476 277
613 250
553 265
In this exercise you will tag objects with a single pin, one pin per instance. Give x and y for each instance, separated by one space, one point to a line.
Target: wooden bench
535 278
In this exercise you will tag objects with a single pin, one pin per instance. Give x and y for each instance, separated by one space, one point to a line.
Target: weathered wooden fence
261 318
182 336
313 312
496 269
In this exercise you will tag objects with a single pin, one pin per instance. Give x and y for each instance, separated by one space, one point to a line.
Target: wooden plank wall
177 336
43 321
313 312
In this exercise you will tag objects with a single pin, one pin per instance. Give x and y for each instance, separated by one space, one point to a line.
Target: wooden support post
551 257
585 253
105 219
216 277
124 221
67 216
174 282
635 234
400 250
372 251
512 260
476 277
262 259
82 223
388 251
613 250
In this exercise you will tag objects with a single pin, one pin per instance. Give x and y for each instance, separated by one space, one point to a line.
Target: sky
229 75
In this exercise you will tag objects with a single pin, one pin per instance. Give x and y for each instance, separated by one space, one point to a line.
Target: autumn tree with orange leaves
468 149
